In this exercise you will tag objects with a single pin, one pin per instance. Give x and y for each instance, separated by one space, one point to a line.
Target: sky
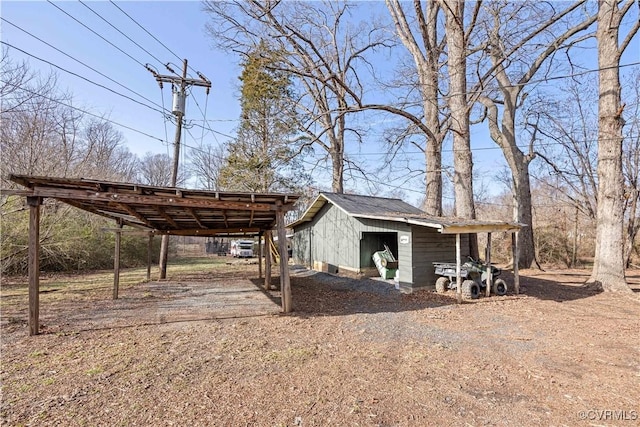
180 26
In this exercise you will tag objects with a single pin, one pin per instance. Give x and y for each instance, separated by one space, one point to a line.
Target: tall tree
519 39
156 169
426 49
263 157
608 266
205 163
323 54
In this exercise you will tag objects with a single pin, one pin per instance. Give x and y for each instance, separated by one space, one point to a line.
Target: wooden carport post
149 252
489 270
116 261
260 255
267 259
458 274
285 283
34 264
516 261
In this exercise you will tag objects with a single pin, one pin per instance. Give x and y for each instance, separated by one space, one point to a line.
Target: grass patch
94 371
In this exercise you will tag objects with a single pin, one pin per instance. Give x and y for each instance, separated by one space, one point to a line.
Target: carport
158 211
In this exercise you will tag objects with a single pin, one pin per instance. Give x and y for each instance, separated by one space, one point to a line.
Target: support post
34 264
458 274
260 255
285 283
116 261
516 261
149 253
489 269
267 260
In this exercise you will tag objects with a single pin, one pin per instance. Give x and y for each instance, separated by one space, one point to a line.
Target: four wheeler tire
499 287
442 284
470 289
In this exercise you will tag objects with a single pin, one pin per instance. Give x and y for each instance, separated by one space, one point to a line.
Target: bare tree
426 48
205 162
631 168
517 52
157 169
324 53
608 267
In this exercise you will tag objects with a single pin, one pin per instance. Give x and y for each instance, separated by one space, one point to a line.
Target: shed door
374 242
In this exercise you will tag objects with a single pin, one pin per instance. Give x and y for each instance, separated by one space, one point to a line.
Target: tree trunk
608 267
427 61
337 178
462 157
523 214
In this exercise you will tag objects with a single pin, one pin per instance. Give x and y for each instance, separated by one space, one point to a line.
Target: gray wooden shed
339 233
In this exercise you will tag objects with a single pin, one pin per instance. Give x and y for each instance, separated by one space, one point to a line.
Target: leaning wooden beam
267 260
285 283
135 214
458 273
34 264
195 216
166 216
116 263
516 261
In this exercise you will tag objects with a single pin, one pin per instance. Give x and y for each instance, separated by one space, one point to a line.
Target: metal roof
165 210
395 210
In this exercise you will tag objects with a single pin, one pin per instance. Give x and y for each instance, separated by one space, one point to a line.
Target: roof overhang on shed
445 225
165 210
451 225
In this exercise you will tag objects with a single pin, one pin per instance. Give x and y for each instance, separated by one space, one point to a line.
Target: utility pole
179 85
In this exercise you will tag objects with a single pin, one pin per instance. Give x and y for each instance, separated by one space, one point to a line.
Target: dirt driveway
211 349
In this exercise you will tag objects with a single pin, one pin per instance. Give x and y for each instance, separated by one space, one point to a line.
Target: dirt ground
211 349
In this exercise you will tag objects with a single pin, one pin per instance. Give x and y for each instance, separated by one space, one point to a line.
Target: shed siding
334 238
430 246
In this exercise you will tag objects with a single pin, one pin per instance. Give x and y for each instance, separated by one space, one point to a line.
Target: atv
474 277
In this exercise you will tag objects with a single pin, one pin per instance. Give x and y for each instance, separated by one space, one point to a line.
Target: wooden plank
458 263
149 253
489 272
211 232
116 263
267 260
516 260
195 216
137 215
34 264
166 217
285 283
149 200
260 256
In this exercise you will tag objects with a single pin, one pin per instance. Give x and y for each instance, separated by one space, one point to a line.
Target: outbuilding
339 233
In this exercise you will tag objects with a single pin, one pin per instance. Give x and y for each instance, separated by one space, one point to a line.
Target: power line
82 77
145 30
118 30
88 28
152 36
80 62
83 111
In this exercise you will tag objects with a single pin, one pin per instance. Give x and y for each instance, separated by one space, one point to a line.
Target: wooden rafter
166 216
224 217
135 214
149 200
195 216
